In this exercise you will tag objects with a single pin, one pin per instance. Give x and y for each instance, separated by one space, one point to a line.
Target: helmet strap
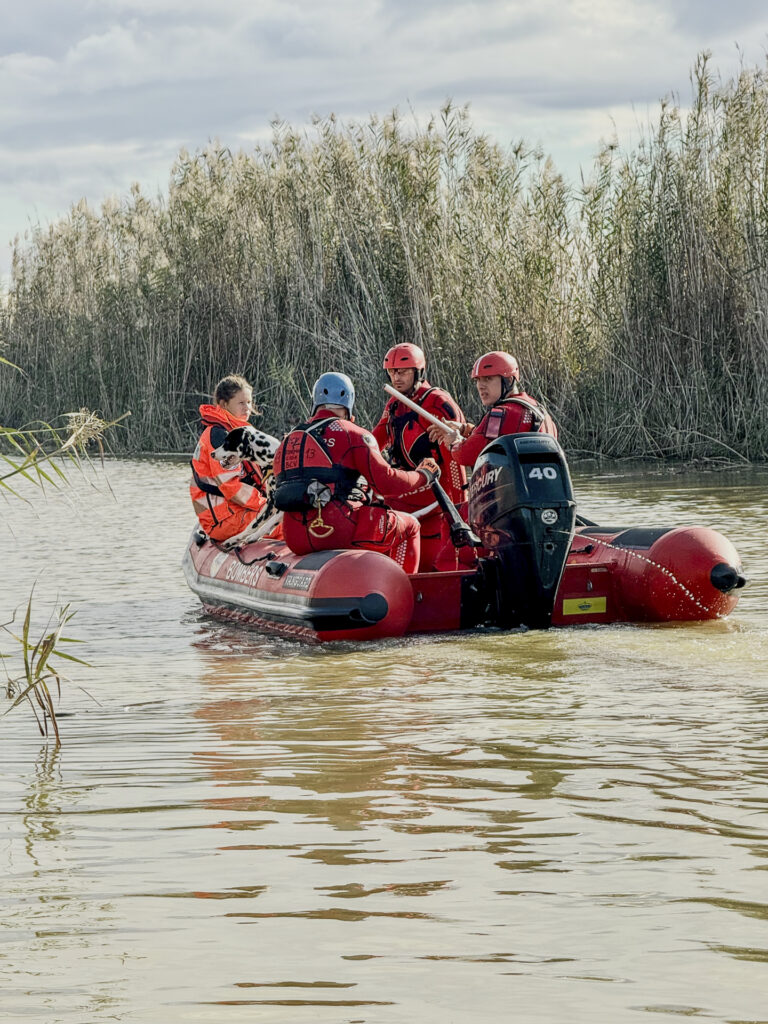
509 386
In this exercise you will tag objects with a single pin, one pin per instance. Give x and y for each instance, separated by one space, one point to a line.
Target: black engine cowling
521 505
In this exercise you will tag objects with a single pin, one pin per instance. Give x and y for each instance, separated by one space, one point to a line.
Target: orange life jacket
218 493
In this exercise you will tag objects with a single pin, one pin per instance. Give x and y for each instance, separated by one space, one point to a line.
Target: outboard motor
521 505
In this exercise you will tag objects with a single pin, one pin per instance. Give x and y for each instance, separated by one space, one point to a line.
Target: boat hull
611 575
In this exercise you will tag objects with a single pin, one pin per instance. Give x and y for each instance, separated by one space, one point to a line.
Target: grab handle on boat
583 521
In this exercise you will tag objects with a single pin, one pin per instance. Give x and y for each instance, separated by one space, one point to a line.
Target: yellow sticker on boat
584 606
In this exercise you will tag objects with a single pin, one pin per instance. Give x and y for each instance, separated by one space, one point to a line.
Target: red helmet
405 357
494 364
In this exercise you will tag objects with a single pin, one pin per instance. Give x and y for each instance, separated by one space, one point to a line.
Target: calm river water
559 827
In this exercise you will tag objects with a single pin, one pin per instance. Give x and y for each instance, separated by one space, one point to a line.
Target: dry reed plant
635 301
25 451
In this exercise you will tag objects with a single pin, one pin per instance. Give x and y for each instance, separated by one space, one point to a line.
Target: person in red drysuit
509 410
324 469
405 440
225 500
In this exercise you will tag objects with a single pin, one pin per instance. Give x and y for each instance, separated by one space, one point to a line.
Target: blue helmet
333 389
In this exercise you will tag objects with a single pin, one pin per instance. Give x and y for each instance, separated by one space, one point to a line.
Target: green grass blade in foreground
33 685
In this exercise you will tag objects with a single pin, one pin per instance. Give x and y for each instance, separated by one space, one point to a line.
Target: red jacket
515 414
403 435
334 452
218 493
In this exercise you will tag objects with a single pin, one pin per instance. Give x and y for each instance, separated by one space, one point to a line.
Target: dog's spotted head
246 443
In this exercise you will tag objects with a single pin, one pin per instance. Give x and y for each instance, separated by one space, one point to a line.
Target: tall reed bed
674 256
635 302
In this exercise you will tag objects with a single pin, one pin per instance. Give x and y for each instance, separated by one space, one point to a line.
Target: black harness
292 484
398 424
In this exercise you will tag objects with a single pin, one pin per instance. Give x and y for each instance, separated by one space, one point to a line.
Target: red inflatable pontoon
664 574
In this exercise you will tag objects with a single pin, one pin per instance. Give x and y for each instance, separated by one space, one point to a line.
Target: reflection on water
552 827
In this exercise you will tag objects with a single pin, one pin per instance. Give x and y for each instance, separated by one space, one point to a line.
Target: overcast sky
96 94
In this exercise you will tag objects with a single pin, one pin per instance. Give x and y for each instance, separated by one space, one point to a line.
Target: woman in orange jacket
225 500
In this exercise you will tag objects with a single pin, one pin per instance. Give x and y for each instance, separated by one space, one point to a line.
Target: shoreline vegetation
636 301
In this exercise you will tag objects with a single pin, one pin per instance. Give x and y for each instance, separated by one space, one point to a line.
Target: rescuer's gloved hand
430 469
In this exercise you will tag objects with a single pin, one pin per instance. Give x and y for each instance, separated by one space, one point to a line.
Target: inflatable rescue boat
539 566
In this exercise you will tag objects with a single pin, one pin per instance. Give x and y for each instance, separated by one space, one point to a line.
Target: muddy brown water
540 827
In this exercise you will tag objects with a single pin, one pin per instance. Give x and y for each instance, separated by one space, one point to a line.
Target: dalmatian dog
246 443
251 445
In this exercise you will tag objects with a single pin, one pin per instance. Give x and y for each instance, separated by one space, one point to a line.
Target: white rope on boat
421 512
